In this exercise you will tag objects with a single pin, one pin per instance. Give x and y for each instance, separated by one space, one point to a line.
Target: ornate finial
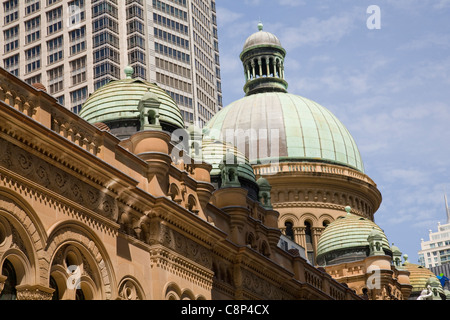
348 209
260 26
129 71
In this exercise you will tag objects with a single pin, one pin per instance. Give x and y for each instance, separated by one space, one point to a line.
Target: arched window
79 295
231 175
192 205
9 291
308 232
54 285
152 117
250 240
289 230
265 249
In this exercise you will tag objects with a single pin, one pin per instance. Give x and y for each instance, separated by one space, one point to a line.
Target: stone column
249 75
315 233
299 236
268 66
260 67
253 69
8 98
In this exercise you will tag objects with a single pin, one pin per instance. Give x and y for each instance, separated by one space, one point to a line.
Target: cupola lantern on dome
263 60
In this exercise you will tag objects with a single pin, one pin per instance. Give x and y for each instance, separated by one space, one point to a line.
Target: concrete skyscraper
73 47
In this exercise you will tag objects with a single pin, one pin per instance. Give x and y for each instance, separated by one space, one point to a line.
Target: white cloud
442 4
252 2
314 31
426 42
225 17
291 3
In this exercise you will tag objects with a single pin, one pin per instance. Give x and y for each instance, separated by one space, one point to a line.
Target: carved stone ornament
185 246
28 292
57 180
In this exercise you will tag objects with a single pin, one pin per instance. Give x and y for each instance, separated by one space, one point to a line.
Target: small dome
418 276
261 38
118 101
263 182
345 239
395 249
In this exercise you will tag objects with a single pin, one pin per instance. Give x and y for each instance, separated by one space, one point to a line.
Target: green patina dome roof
213 152
261 38
119 100
346 233
418 276
307 131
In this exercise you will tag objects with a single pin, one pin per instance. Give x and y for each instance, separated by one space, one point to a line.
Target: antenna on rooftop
447 208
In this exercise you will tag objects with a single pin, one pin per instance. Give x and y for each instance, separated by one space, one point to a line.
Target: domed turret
346 240
117 105
263 60
419 277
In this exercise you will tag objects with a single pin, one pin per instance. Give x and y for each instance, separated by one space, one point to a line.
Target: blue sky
389 86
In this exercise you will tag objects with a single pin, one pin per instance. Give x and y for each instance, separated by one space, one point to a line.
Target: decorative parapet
43 108
18 101
323 282
313 279
83 135
310 167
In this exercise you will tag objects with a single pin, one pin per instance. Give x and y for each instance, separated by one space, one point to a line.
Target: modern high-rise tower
73 47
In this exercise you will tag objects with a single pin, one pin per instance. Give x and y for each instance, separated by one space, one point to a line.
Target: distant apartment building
436 251
74 47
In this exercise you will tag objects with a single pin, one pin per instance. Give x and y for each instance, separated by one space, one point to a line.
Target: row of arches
66 262
174 292
260 245
339 198
67 288
178 196
305 230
